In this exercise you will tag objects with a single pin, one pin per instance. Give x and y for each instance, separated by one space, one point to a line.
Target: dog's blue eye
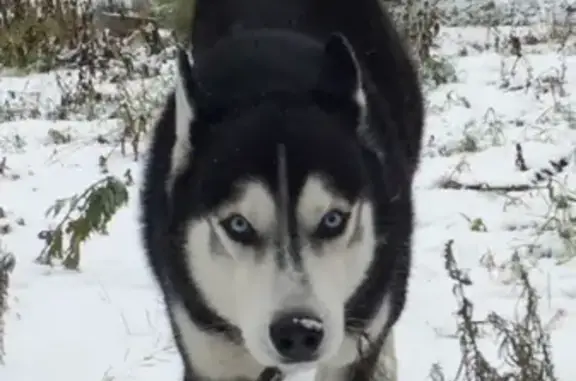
239 229
333 219
239 224
332 224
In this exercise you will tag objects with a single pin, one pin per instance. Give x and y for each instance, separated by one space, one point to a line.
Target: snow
106 322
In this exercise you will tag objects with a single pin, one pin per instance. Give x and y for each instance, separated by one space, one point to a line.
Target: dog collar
270 374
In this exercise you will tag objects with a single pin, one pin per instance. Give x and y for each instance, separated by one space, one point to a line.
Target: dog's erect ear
340 75
340 81
186 101
186 93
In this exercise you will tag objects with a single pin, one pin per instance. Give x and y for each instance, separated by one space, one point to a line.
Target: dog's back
363 22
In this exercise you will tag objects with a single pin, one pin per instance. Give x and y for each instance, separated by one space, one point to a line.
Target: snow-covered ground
106 321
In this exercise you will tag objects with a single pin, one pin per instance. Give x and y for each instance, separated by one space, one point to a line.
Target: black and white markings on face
293 195
260 222
287 237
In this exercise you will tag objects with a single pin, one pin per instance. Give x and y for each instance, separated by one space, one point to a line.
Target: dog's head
279 225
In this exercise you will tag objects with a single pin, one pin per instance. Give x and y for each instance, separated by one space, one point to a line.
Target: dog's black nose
297 336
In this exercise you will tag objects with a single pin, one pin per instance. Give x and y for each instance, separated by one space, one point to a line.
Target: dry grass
41 35
523 343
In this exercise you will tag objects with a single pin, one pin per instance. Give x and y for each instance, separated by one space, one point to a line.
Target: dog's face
281 234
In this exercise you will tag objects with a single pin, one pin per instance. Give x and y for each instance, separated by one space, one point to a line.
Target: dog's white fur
248 292
217 359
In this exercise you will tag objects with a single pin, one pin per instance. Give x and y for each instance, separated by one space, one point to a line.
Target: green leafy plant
87 214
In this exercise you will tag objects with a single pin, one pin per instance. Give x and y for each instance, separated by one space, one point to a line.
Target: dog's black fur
364 23
264 73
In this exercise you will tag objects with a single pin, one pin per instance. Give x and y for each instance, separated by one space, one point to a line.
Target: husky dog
277 202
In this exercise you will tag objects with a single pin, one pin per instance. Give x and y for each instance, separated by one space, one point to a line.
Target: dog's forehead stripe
289 245
283 205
